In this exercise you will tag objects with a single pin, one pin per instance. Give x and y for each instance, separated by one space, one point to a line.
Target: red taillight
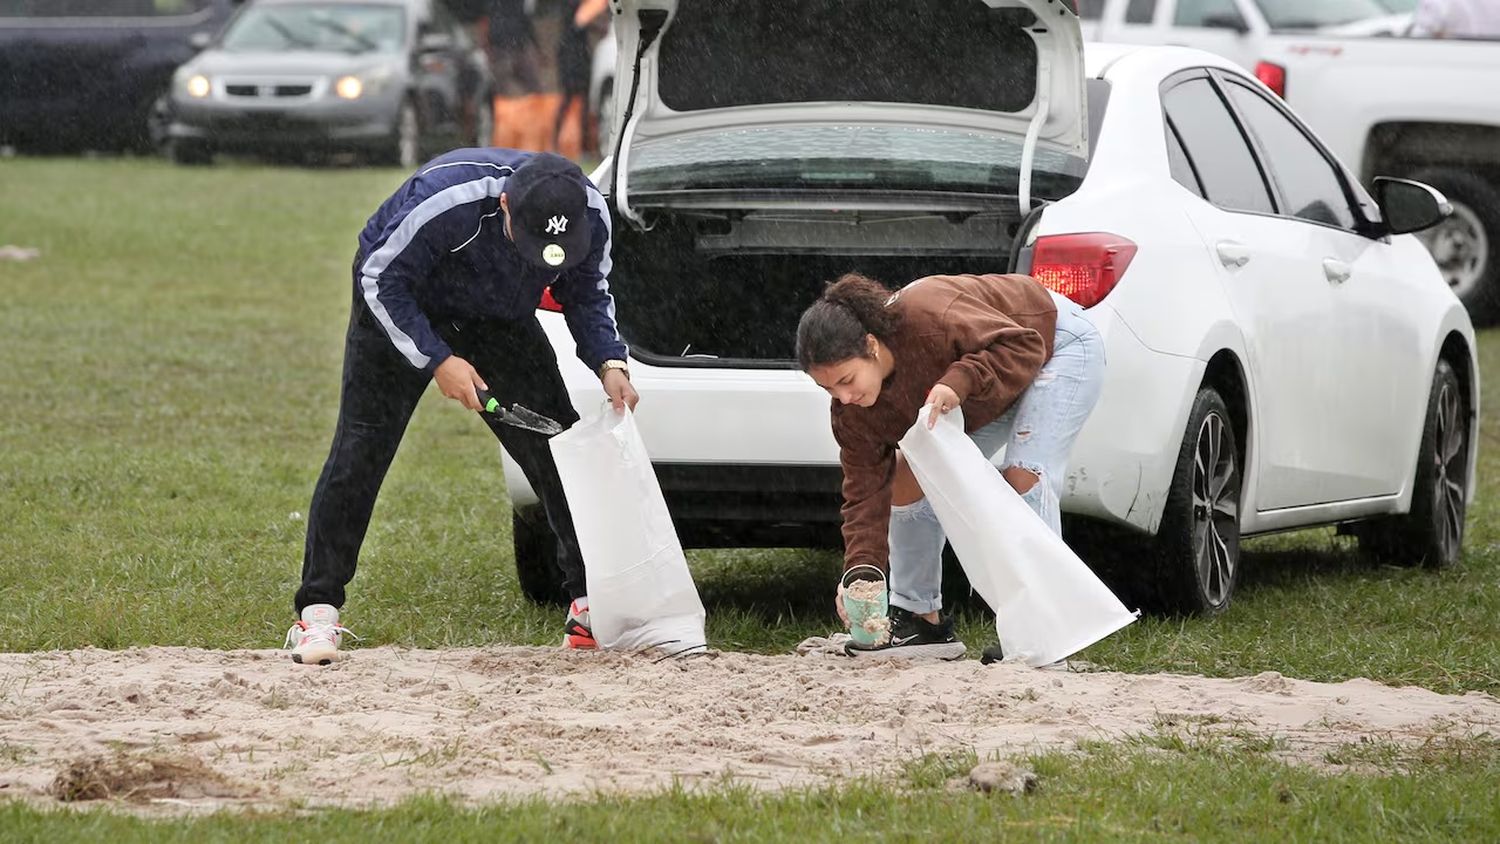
548 303
1274 77
1082 267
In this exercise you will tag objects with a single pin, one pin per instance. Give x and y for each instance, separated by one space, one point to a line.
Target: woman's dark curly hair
833 328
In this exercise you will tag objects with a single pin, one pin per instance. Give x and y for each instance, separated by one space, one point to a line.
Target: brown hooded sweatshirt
984 336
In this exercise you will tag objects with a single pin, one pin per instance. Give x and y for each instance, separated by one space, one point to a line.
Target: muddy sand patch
143 777
250 727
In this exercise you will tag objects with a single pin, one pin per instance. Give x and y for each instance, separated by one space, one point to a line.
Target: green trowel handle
487 402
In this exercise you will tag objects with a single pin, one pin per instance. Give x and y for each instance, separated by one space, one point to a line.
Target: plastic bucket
867 602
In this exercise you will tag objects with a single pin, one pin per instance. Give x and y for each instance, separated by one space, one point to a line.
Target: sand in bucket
865 600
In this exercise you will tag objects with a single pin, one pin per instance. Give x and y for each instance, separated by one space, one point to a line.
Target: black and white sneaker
913 637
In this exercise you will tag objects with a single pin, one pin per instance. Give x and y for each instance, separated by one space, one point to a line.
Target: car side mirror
200 40
1409 206
1227 20
435 42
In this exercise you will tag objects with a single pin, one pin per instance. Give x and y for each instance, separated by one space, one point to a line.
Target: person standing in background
574 63
1456 19
513 49
515 62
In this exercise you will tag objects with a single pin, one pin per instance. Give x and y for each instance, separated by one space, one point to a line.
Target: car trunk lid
745 91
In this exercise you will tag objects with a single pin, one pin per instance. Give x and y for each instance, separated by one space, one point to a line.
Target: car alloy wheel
1216 509
1431 533
1196 552
1450 456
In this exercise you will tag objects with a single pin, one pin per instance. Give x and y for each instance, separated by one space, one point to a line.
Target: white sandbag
1048 604
641 593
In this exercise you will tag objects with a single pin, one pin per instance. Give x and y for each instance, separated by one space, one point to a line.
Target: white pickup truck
1395 106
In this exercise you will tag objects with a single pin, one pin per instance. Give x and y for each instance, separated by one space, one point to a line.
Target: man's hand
620 391
943 399
457 379
838 604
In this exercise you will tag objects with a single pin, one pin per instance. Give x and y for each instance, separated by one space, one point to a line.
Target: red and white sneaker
314 639
577 633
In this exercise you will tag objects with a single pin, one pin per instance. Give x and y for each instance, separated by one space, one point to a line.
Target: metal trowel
517 416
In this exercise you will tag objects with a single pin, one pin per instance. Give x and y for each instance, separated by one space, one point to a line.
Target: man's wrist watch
605 367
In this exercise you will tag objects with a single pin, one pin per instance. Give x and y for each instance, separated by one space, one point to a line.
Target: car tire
404 149
158 118
1466 246
537 571
189 152
1197 546
1432 533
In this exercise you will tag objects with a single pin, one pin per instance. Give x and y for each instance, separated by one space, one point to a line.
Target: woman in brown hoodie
1025 364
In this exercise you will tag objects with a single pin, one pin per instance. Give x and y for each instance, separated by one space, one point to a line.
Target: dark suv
86 73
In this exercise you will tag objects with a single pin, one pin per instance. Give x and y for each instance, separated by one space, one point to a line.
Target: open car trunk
765 147
716 287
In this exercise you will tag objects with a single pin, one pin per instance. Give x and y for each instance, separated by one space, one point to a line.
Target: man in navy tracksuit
447 279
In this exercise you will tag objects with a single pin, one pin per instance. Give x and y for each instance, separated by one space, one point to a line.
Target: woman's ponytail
833 328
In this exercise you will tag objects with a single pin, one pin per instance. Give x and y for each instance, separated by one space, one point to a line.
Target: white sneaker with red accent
314 639
578 634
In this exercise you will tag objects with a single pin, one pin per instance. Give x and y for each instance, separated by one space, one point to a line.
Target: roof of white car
1099 57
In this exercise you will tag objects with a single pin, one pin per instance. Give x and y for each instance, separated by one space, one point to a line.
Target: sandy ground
180 729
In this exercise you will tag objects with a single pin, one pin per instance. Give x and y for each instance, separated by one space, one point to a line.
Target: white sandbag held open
641 594
1048 604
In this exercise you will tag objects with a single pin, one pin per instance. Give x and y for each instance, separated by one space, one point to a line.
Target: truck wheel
1466 246
536 558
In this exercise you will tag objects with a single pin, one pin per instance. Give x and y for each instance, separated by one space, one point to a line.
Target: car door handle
1337 271
1233 255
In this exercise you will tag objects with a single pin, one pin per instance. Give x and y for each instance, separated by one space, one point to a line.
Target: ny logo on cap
557 225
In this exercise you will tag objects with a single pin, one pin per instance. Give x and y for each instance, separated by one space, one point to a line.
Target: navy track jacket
437 250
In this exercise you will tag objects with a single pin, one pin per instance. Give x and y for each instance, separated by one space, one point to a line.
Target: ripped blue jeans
1037 433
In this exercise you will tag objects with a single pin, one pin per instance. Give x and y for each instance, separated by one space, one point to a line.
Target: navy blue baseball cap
549 212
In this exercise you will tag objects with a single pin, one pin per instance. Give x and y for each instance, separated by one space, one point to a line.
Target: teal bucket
867 603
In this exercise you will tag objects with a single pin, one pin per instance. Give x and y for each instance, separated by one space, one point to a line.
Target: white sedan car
1281 353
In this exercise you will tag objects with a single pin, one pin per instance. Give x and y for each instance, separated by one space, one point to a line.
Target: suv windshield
1301 14
848 157
325 28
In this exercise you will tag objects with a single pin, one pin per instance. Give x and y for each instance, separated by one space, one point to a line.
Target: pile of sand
206 728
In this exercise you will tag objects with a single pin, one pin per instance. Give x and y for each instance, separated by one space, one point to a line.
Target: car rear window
725 53
99 8
869 157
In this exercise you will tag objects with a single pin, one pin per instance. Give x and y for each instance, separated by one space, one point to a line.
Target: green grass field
169 377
